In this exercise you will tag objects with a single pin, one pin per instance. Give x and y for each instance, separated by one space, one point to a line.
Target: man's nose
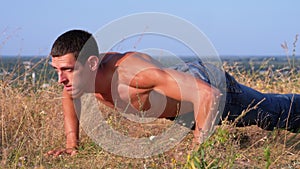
61 77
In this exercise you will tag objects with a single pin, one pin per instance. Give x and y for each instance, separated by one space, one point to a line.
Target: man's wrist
72 144
72 140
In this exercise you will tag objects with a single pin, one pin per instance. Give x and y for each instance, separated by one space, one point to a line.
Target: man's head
75 58
81 43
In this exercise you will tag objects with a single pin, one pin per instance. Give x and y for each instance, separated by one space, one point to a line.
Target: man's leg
289 114
272 110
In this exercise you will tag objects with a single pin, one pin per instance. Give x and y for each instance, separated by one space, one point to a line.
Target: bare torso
123 89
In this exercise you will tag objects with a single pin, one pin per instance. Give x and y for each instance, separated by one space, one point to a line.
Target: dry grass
31 124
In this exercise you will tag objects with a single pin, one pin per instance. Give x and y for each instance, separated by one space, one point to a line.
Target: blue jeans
274 110
266 110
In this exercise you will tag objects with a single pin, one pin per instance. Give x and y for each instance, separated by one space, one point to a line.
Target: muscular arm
71 125
147 73
185 87
71 122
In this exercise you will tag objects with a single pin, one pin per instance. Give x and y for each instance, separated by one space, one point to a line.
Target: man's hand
200 135
206 116
61 151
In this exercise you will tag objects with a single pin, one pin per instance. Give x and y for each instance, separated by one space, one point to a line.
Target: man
134 82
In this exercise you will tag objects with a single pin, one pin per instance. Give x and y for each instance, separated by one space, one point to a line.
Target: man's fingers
71 151
51 152
56 153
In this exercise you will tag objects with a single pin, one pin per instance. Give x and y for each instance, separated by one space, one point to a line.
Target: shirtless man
138 80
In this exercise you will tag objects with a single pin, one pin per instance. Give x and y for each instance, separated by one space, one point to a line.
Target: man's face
70 74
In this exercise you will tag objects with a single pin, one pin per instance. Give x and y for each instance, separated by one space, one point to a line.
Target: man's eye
68 69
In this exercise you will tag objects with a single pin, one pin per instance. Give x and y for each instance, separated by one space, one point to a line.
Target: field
32 124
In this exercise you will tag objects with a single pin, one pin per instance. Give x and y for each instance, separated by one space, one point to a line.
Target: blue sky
234 27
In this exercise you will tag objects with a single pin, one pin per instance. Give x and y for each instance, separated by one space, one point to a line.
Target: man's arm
148 73
71 125
71 122
185 87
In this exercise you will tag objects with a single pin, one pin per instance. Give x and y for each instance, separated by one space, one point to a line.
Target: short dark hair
79 42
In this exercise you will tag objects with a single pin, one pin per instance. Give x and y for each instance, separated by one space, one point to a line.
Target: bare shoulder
139 55
139 68
139 59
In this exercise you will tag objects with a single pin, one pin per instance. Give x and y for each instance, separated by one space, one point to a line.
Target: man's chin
76 93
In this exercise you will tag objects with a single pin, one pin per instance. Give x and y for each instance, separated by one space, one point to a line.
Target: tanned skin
131 78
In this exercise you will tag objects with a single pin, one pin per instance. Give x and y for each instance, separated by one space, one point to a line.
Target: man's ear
93 62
